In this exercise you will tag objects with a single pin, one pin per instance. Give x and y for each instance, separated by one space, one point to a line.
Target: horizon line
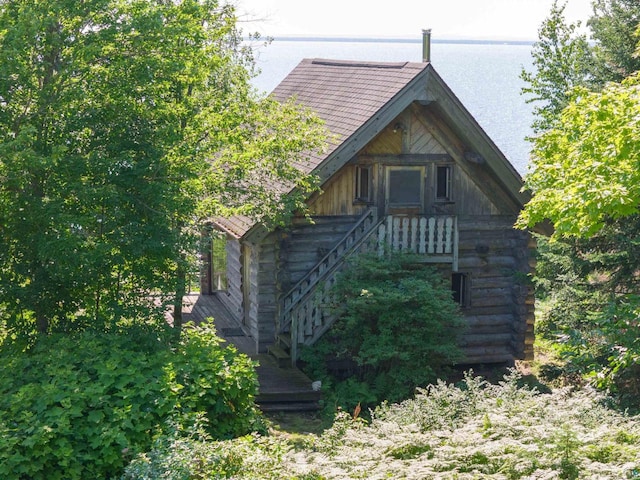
396 39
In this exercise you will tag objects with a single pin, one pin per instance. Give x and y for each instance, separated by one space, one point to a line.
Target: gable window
460 288
405 186
364 183
443 183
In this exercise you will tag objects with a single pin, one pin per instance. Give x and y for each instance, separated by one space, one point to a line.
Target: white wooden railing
435 237
305 315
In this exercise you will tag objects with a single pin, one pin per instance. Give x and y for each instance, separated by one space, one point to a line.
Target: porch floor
279 388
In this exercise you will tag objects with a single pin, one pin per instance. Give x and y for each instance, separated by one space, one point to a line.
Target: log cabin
407 167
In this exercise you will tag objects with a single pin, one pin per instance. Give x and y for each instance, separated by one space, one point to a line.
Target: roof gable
356 100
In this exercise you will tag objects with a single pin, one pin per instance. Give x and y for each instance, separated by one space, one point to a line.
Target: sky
448 19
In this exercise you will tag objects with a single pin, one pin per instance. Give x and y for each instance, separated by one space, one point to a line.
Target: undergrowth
474 430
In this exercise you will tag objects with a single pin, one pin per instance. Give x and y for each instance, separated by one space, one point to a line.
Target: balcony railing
435 237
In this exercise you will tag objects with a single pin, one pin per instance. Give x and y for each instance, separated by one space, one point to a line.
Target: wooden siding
250 305
468 198
267 291
500 312
232 298
337 197
307 243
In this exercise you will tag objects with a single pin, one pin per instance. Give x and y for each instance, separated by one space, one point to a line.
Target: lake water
484 76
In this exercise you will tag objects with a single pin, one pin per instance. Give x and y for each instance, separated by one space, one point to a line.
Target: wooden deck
279 388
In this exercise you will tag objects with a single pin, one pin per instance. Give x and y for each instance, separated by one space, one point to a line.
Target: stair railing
302 311
305 313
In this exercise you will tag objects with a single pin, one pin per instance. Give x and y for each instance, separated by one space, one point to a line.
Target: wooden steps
280 389
282 357
284 389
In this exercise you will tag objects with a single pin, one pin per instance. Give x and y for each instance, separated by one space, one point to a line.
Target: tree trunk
181 282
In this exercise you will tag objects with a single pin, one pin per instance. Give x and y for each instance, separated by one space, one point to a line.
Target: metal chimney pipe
426 45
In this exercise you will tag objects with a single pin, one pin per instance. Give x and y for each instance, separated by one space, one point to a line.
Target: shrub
474 429
591 309
398 325
190 453
79 406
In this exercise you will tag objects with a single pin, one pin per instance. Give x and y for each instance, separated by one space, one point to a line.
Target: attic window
443 183
363 183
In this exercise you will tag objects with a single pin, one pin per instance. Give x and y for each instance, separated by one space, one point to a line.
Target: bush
590 313
474 429
80 406
397 329
190 453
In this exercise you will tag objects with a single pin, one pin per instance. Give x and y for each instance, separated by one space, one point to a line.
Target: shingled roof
357 100
345 95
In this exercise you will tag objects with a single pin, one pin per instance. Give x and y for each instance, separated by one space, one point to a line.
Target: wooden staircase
305 316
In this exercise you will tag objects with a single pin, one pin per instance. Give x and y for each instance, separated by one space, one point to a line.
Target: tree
613 28
122 122
397 327
585 180
586 169
562 61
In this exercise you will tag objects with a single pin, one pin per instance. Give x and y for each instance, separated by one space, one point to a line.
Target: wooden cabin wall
496 259
267 290
232 298
468 198
337 197
307 243
251 290
405 141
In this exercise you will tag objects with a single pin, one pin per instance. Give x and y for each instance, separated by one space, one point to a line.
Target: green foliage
613 28
397 325
473 430
585 170
588 310
122 125
584 180
562 60
80 406
190 453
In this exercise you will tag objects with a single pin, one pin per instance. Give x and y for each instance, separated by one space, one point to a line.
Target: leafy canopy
123 123
397 329
562 60
586 169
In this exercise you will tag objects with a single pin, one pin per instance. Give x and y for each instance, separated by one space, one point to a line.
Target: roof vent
426 45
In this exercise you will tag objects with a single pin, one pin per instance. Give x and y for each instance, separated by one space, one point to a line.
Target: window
405 186
364 182
443 183
460 288
218 262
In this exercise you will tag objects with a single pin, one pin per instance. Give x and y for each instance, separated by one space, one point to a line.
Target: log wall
307 243
499 314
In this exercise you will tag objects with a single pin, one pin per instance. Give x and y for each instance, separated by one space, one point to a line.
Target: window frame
422 174
461 288
446 196
359 196
219 276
